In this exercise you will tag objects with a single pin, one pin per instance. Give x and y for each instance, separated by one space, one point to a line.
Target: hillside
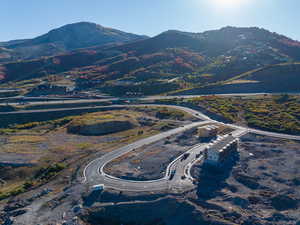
171 62
283 77
64 39
13 42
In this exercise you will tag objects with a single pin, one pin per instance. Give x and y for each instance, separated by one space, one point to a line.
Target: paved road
59 110
229 94
60 101
68 99
188 110
177 176
191 111
94 174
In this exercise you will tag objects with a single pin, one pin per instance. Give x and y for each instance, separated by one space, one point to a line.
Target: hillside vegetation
173 62
274 113
283 77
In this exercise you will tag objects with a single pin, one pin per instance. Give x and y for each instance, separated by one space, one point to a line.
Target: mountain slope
66 38
283 77
171 61
13 42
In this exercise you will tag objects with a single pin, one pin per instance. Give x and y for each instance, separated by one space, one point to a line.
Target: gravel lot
150 162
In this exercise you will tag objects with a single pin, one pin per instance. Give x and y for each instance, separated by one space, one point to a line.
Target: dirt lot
262 187
259 187
151 161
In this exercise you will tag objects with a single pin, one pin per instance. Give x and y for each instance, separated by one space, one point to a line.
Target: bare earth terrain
258 186
35 152
262 186
150 162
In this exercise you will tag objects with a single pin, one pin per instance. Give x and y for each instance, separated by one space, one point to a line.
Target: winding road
94 174
177 169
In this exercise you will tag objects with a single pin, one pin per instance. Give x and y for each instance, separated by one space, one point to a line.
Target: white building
208 131
219 150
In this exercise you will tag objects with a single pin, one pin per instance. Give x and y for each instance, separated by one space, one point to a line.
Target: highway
59 109
188 110
60 101
193 112
70 99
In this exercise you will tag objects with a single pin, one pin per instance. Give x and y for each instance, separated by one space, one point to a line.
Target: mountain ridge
66 38
170 61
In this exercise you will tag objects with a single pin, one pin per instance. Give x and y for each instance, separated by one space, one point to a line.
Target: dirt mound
162 212
100 128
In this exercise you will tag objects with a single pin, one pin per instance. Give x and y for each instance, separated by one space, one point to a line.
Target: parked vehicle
185 156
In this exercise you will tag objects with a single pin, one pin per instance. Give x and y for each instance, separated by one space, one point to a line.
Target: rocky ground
260 186
58 197
151 161
25 149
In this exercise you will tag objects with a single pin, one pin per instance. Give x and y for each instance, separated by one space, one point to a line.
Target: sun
229 1
229 4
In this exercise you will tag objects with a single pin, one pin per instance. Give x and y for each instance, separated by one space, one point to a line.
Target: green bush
169 114
280 113
45 173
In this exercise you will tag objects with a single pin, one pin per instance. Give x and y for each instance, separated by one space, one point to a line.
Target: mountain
284 77
13 42
64 39
172 62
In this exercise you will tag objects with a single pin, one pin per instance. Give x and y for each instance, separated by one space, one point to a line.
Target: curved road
193 112
94 173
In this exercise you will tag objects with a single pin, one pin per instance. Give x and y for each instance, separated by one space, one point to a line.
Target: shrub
45 173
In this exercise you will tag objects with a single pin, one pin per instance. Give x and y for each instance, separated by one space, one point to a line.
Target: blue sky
30 18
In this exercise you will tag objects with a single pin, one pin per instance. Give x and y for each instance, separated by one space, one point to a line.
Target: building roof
208 127
221 143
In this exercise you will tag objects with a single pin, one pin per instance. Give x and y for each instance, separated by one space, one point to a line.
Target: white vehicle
98 187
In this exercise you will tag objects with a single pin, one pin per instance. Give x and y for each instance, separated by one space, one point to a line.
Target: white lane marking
200 115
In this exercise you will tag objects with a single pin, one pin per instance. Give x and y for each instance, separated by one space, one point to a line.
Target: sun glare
228 4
